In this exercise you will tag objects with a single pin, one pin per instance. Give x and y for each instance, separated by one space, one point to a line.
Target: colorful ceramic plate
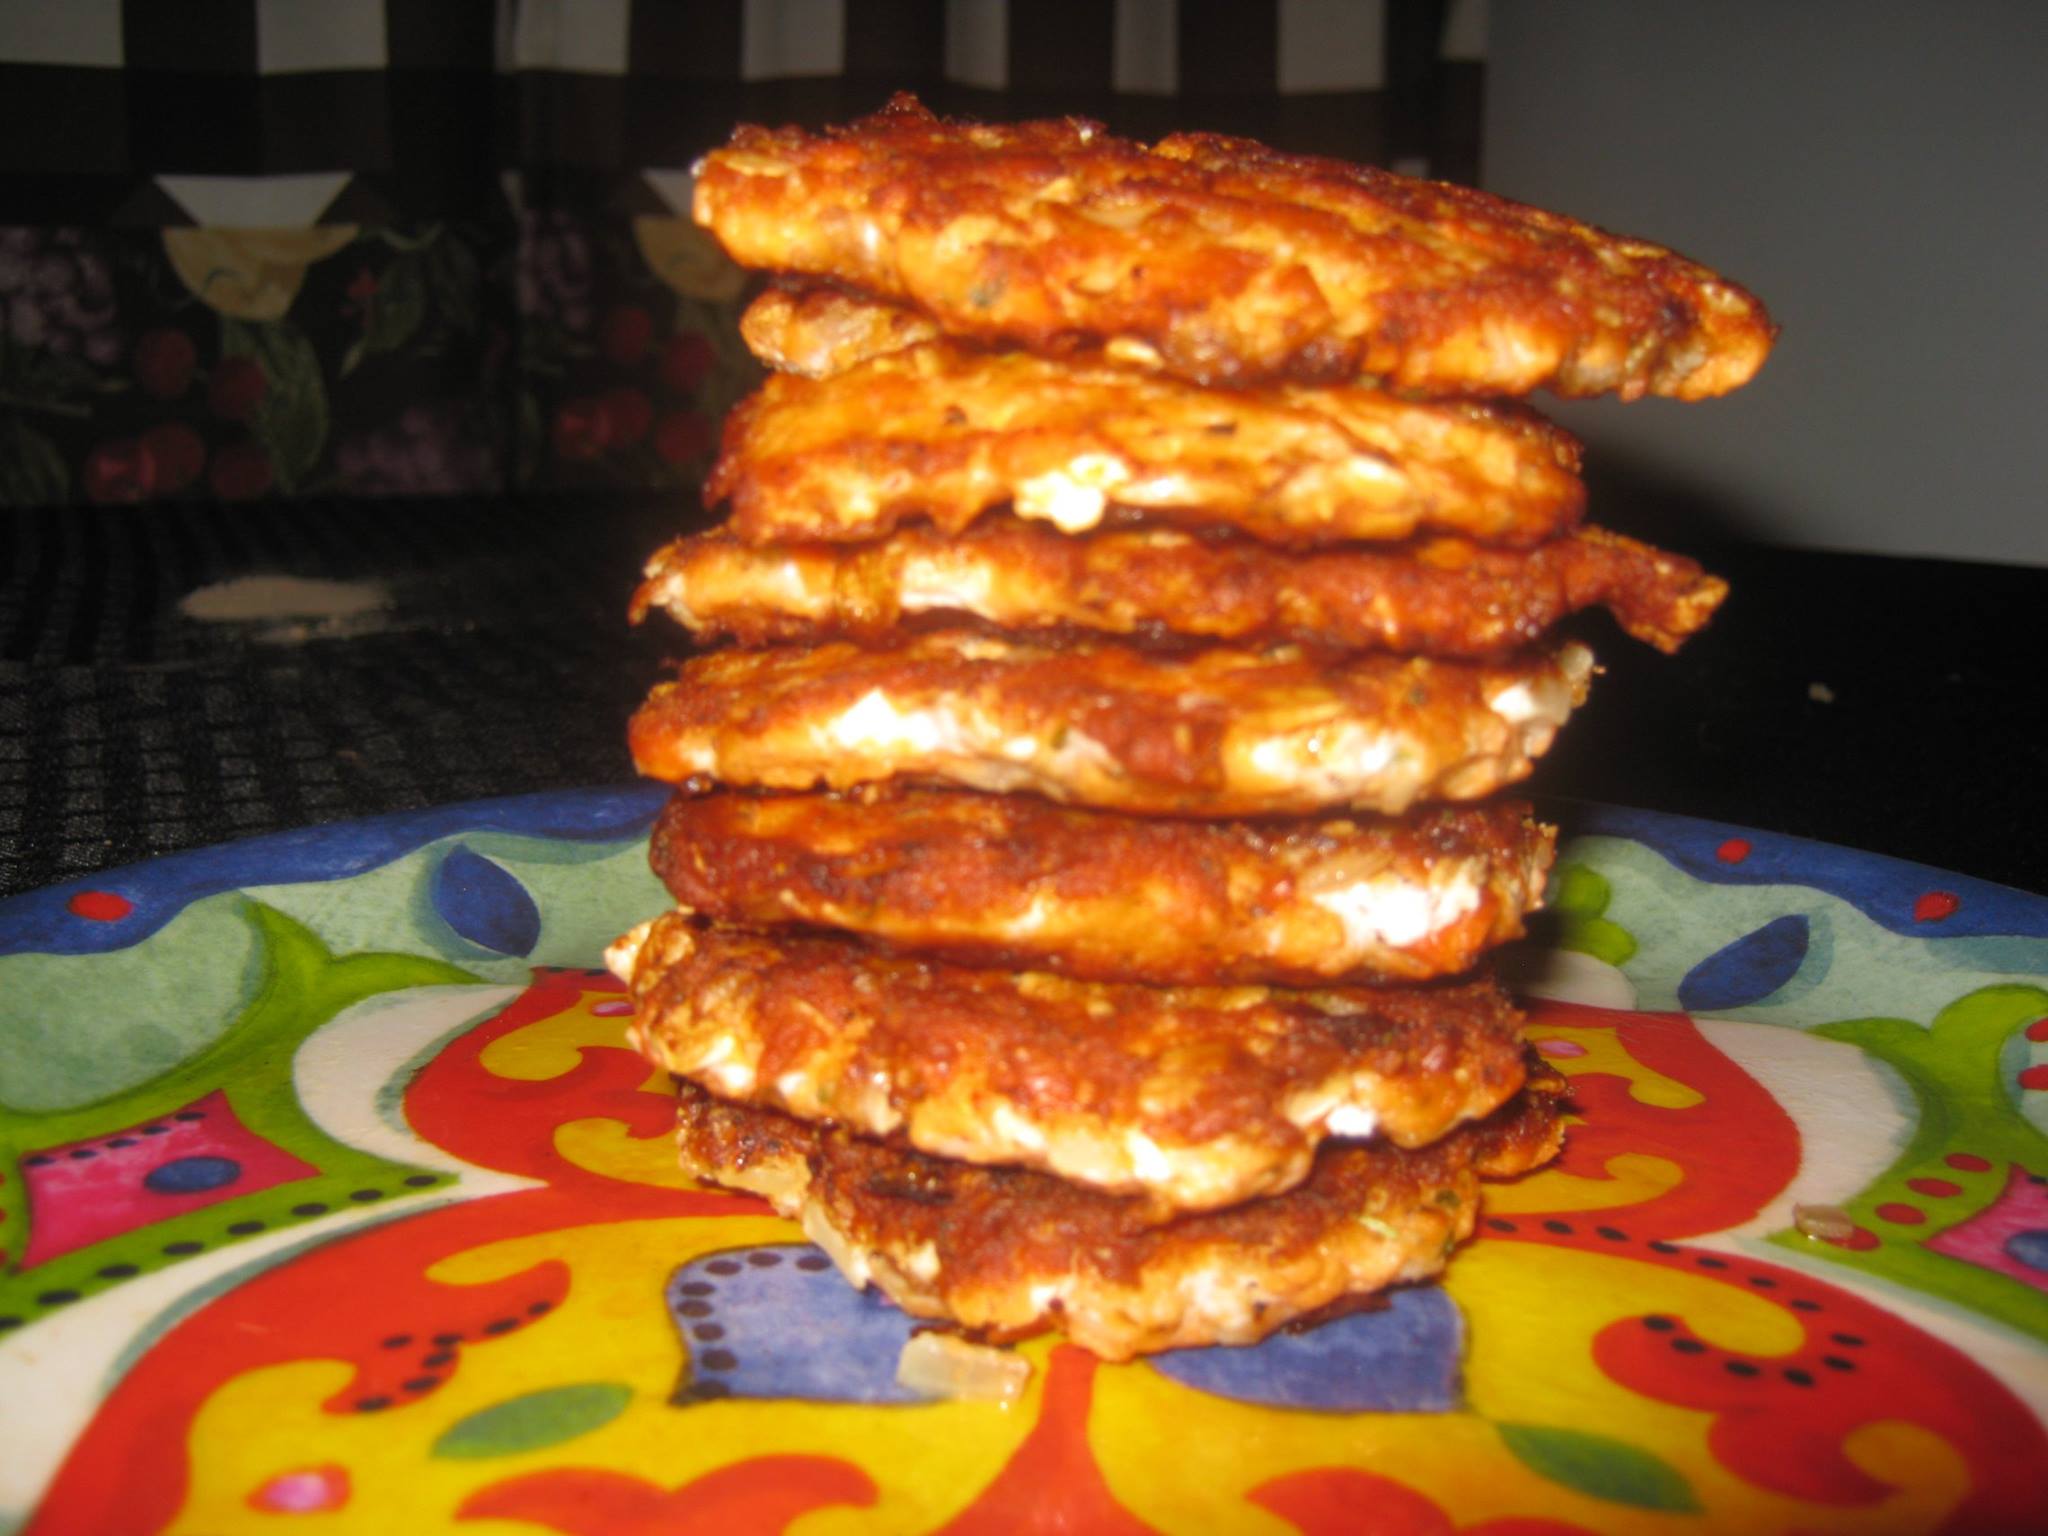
333 1201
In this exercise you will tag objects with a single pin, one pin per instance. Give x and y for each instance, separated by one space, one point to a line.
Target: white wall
1876 170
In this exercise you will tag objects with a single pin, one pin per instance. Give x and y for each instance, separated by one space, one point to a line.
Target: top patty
1233 262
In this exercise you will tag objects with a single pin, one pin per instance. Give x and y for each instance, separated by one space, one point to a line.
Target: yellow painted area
687 259
1177 1458
1636 1177
927 1461
1531 1314
1605 1053
1145 1423
606 1148
1180 1460
250 274
1931 1475
553 1046
1549 1302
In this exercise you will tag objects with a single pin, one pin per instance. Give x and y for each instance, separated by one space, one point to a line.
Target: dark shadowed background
400 297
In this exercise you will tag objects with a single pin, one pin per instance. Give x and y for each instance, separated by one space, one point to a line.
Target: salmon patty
1224 731
1434 597
1229 262
944 433
1193 1097
1005 1253
1013 880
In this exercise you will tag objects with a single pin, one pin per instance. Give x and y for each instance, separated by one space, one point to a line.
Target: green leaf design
454 281
32 379
291 423
59 379
536 1420
531 435
1600 1467
86 1066
1578 898
1959 1070
32 471
396 310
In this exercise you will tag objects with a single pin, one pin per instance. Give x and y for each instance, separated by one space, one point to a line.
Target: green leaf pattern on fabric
395 312
32 472
291 421
502 350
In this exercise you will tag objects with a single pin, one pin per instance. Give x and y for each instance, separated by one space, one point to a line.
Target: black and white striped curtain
260 248
139 111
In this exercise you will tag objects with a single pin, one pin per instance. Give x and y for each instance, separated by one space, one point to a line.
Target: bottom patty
1197 1097
1005 1253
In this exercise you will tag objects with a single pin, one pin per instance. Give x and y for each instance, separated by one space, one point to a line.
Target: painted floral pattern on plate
329 1188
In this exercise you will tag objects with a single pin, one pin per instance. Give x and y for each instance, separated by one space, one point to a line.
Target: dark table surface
1881 703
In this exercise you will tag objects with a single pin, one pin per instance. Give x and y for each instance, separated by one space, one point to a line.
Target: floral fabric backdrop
273 248
550 351
629 350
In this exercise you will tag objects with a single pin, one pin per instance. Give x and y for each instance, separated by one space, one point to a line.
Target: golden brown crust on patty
1235 262
818 330
943 432
1007 1252
1437 597
1194 1097
1219 732
1013 880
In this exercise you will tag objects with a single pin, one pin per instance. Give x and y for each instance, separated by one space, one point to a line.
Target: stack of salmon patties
1134 595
